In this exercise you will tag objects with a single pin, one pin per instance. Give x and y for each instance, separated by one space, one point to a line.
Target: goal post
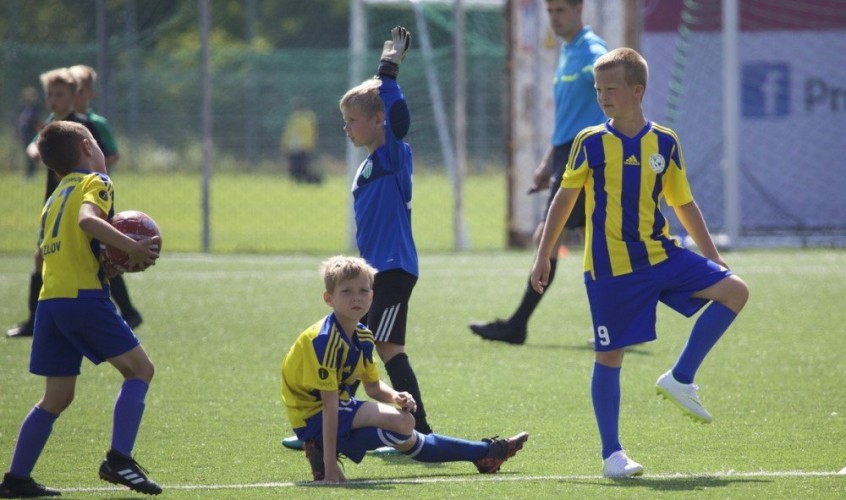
532 55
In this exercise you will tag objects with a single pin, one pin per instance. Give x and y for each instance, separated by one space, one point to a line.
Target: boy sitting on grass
334 353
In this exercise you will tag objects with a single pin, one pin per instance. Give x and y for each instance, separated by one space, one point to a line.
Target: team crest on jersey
656 163
323 373
104 195
368 169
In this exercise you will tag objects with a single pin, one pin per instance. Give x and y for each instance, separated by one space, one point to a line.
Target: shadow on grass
670 484
392 482
658 484
585 346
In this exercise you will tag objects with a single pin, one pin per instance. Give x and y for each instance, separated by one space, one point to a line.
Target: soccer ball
138 226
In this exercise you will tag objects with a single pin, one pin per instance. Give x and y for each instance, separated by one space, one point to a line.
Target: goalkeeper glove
393 52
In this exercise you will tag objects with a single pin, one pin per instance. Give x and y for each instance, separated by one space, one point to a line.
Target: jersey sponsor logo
632 160
657 163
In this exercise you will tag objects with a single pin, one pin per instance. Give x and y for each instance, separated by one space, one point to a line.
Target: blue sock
129 408
434 448
35 430
706 332
605 393
362 439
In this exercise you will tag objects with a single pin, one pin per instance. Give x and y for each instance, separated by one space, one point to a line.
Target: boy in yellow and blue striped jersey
74 317
626 166
333 355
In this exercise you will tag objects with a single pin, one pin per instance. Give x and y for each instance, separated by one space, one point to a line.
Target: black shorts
560 155
389 312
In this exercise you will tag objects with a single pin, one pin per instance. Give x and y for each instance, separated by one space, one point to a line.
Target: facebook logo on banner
766 90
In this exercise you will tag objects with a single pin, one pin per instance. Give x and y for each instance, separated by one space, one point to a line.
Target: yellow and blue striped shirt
72 256
325 358
625 179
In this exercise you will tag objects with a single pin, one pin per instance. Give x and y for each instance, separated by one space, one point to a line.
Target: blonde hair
85 76
58 76
364 97
59 145
635 69
341 267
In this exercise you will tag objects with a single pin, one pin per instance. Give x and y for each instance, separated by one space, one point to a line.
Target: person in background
86 79
299 140
60 95
575 109
29 121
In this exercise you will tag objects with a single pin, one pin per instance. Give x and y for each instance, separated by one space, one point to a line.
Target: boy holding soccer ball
626 166
337 352
74 316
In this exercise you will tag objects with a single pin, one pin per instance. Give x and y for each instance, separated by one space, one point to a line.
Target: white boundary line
465 479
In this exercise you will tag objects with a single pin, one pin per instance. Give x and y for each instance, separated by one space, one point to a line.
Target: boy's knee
56 403
147 371
407 423
739 295
134 365
143 371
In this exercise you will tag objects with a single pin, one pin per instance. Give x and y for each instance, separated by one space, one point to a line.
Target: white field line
469 479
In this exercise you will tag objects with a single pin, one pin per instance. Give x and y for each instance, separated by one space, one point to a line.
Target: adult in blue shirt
575 108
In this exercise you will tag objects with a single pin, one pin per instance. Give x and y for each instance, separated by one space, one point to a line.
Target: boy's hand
110 269
32 152
333 474
406 402
393 51
144 253
540 180
540 274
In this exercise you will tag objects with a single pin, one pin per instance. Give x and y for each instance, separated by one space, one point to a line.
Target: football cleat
684 396
118 469
15 487
499 451
620 465
292 443
499 330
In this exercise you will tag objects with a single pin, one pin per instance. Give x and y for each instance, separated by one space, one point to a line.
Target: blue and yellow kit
325 358
72 256
625 179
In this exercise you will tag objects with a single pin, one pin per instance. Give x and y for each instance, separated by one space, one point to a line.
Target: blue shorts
65 330
352 443
624 307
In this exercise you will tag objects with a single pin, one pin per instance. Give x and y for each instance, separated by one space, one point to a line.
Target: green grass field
263 213
218 326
